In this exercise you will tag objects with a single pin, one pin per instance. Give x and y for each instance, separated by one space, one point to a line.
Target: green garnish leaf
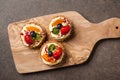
51 47
38 36
33 38
55 30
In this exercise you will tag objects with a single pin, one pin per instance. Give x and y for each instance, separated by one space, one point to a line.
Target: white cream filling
49 63
64 24
23 32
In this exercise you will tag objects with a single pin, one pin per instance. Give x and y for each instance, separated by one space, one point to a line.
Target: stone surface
104 62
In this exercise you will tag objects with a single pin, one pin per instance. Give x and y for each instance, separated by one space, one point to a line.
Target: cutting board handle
109 28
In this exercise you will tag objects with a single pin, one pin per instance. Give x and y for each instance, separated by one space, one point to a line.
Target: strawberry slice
65 29
28 39
57 53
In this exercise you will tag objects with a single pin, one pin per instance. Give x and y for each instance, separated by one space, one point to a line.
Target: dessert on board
52 53
60 28
32 35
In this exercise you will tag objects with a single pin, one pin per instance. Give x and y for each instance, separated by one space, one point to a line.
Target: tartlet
52 53
60 28
32 35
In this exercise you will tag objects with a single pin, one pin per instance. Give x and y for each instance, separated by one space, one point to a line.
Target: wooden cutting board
78 47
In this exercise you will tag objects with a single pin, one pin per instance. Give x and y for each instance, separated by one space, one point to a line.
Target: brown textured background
103 64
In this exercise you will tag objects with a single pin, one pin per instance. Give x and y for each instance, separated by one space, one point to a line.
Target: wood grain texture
78 46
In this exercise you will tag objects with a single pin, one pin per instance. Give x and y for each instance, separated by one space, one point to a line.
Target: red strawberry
65 29
57 53
28 39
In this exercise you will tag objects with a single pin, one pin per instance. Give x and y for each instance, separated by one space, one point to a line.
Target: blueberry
59 26
33 34
50 53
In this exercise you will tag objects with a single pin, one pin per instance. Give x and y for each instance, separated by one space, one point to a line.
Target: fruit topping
38 36
47 58
28 39
50 53
55 30
51 47
57 22
57 53
64 20
32 28
65 29
46 49
59 26
32 33
26 32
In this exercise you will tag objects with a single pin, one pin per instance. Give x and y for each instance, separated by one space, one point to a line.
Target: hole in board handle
116 27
